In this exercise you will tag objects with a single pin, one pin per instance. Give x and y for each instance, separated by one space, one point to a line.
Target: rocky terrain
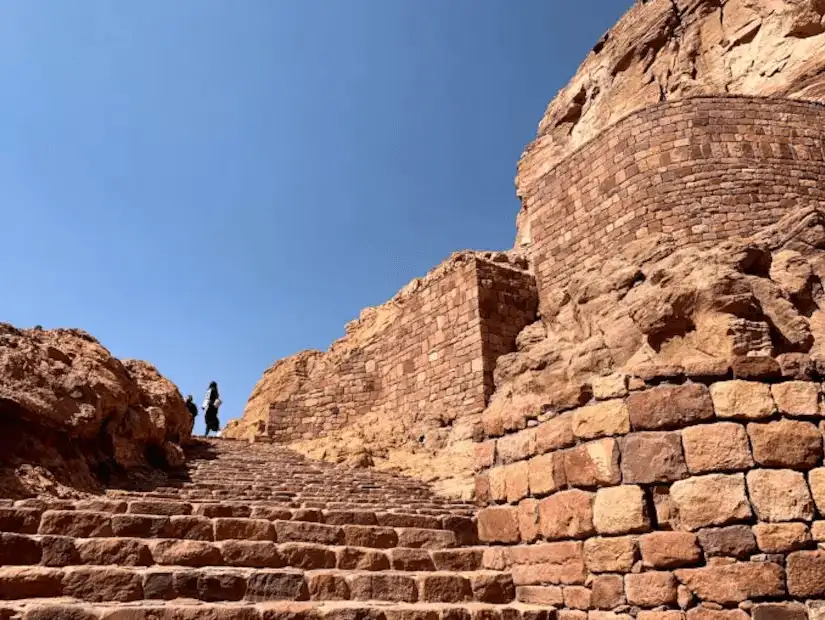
663 50
75 418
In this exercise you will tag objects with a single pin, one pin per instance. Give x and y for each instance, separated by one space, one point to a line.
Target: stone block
786 443
442 588
610 555
555 434
620 510
806 574
485 454
559 563
728 584
567 514
592 464
661 615
540 595
498 484
601 419
528 520
707 613
650 457
669 549
738 399
780 495
650 589
545 474
781 537
611 386
669 407
482 492
577 597
779 611
498 524
816 480
516 481
719 447
607 591
736 541
714 499
797 398
492 588
516 446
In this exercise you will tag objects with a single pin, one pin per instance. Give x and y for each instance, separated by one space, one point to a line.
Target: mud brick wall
434 360
706 499
701 169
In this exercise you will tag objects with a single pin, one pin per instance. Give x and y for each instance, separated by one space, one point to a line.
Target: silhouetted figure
192 407
210 407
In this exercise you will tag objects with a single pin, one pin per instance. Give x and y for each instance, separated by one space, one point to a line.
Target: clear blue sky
214 184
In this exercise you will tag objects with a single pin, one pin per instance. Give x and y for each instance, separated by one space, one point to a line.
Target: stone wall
433 358
700 496
701 169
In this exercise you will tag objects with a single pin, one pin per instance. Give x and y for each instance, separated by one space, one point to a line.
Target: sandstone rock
653 457
517 446
545 473
734 583
516 481
620 510
577 597
705 613
528 520
485 455
567 514
62 388
780 495
601 419
714 499
669 549
816 479
610 555
669 407
781 537
722 446
736 541
786 443
664 50
592 464
540 595
779 611
806 574
607 591
797 398
498 524
742 399
651 589
560 563
555 434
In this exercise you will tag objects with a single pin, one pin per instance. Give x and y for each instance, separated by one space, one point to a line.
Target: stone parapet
684 497
702 170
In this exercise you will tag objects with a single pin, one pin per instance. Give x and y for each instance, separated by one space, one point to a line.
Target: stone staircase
252 531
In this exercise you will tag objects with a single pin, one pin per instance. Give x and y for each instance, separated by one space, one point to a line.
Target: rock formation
74 417
665 50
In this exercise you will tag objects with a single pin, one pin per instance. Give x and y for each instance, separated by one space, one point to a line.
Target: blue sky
214 184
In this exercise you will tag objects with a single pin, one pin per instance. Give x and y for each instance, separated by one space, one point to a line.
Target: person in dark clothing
210 407
191 406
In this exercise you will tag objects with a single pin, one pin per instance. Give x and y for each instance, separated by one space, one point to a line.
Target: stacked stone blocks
437 356
704 499
702 169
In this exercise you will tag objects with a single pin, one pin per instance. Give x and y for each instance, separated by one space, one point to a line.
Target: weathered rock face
750 305
73 415
664 50
280 381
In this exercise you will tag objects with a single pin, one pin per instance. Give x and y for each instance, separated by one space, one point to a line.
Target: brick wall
674 496
701 169
435 358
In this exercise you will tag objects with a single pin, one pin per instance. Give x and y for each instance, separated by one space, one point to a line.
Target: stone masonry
437 355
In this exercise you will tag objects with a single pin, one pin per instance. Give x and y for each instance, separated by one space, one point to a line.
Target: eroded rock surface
74 416
664 50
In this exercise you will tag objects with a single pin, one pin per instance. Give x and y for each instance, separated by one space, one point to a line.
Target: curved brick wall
703 169
693 497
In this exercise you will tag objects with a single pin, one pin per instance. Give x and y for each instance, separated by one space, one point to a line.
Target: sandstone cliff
74 417
663 50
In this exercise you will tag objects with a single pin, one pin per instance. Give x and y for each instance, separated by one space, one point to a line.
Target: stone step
464 526
118 584
89 524
189 609
61 551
